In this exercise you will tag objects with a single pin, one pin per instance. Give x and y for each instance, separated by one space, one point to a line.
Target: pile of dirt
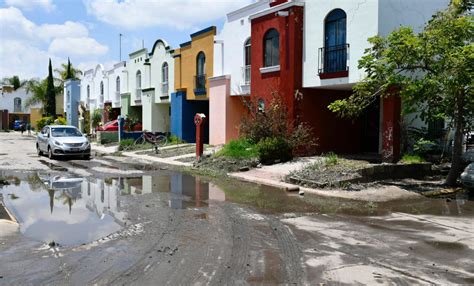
223 164
328 174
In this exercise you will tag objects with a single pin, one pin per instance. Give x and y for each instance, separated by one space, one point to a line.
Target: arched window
139 79
164 79
271 42
335 48
17 104
164 73
102 88
117 84
201 64
247 61
88 93
200 73
261 105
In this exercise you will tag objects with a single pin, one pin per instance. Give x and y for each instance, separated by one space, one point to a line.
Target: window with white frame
247 61
17 104
271 43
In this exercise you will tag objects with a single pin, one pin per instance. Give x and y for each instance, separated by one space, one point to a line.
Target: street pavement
240 234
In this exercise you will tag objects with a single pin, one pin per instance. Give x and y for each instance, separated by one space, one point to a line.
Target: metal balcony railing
164 88
200 84
333 59
246 74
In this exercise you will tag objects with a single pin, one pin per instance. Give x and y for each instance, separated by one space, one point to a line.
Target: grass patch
331 159
411 159
241 148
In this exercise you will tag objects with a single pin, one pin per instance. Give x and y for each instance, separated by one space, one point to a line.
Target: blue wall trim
182 117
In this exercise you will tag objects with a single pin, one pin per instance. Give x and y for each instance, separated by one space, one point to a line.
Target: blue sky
31 31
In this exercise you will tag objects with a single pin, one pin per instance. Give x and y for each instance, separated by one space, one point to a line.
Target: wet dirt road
117 222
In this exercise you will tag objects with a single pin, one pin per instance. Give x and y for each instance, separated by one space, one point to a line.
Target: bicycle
157 140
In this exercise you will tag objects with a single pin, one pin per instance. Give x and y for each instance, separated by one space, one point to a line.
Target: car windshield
65 132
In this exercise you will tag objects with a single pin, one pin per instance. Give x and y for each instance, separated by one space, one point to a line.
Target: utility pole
120 47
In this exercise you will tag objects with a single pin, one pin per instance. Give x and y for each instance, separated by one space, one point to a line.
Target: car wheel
50 153
86 157
38 150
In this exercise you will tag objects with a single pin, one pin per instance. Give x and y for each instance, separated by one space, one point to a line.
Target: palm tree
38 92
67 71
14 81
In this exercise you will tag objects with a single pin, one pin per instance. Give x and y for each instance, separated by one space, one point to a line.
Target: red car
113 126
109 126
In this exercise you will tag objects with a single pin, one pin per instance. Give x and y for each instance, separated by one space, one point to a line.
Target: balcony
138 97
164 88
200 84
333 61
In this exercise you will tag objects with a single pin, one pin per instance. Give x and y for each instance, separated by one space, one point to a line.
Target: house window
17 104
200 82
139 79
88 93
164 78
247 61
335 47
101 88
271 43
117 84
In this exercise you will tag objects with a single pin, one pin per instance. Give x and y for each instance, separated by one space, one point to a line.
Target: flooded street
118 221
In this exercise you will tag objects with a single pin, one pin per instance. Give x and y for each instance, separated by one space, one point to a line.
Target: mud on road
176 229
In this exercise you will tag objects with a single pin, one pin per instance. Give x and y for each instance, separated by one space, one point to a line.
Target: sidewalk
273 175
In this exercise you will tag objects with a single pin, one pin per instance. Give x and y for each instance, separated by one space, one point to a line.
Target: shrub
423 147
125 143
274 149
241 148
331 159
272 127
411 159
49 120
96 118
173 139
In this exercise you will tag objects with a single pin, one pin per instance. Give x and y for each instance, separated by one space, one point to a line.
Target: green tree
37 88
432 71
50 106
14 81
68 71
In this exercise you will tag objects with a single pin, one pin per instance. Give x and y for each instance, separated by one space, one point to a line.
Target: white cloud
47 5
25 47
67 30
181 14
77 46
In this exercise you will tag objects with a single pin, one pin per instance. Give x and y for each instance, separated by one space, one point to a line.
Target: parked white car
62 140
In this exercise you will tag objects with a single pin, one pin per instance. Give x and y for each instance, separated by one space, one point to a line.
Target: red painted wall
291 49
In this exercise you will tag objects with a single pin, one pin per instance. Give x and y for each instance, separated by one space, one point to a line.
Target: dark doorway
371 128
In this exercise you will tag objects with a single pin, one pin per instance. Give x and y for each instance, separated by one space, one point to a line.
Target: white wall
362 19
396 13
111 95
135 63
159 55
234 34
7 100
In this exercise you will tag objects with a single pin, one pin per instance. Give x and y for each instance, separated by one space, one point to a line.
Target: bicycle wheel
161 140
140 141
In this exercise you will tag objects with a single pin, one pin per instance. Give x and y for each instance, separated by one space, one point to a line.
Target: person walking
28 128
22 127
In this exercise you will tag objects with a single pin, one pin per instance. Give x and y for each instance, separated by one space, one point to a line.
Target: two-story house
193 65
232 74
308 52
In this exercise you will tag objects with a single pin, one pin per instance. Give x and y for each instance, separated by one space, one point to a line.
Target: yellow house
193 65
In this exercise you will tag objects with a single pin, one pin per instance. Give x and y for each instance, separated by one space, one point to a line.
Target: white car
467 177
62 140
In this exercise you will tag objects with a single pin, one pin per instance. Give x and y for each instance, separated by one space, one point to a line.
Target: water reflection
79 210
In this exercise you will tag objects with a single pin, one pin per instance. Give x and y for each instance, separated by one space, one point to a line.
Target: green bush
411 159
274 149
241 148
423 147
49 120
331 159
173 139
125 143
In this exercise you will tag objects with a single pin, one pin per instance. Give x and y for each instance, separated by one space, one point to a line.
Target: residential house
230 85
308 52
12 107
193 65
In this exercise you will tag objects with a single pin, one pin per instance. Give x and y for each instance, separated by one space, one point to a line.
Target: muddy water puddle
75 210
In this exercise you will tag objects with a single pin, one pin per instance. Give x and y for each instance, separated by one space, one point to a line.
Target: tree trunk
456 162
